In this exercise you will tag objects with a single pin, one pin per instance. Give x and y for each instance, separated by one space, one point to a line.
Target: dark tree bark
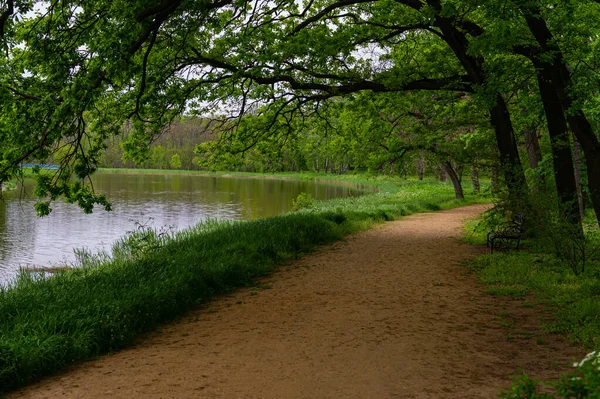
532 145
578 182
557 71
458 191
512 170
591 149
495 174
460 169
510 162
562 159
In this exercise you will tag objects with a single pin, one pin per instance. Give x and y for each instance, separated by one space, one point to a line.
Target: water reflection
175 201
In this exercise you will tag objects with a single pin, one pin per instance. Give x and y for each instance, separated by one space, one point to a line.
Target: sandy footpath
390 313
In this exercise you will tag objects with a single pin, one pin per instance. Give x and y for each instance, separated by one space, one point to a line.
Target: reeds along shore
47 324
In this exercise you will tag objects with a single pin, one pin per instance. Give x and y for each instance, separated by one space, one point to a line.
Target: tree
175 162
283 63
556 88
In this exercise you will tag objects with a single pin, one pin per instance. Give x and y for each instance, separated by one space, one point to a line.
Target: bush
584 382
303 201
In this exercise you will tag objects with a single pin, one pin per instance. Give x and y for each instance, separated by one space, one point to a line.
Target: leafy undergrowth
573 300
150 278
582 382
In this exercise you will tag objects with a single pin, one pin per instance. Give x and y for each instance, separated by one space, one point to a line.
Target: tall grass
47 324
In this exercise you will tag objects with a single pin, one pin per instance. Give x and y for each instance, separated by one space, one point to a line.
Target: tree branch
5 15
327 10
454 83
24 96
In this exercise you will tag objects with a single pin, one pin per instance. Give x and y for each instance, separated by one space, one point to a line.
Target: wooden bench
506 235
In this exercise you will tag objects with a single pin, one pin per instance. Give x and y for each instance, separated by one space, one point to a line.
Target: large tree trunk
562 158
591 149
458 191
495 188
512 170
558 72
532 144
460 169
577 167
510 161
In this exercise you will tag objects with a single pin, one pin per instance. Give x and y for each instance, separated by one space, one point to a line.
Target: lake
161 201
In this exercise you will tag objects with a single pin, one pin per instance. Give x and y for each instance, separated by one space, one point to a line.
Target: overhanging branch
326 10
454 83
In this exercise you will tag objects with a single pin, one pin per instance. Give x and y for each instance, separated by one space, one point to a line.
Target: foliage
571 293
275 80
574 245
303 201
584 382
175 162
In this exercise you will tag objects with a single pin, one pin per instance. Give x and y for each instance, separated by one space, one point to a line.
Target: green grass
569 302
48 324
573 300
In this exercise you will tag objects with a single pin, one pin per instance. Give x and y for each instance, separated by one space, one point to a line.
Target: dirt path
390 313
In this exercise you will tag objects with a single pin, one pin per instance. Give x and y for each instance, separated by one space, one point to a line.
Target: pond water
156 200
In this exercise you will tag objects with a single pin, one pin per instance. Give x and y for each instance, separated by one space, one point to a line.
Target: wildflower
593 357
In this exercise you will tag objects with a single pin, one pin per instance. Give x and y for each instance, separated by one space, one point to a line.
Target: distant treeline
174 149
186 145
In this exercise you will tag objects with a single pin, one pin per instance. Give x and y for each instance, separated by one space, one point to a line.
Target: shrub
303 201
584 382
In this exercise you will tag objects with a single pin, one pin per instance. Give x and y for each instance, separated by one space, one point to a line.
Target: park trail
392 312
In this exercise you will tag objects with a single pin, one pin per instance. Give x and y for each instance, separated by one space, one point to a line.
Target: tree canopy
396 75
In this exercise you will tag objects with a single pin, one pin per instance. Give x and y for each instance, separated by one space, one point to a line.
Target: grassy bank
149 279
572 299
567 297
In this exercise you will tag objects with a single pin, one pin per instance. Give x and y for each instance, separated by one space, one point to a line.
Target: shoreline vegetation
150 278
